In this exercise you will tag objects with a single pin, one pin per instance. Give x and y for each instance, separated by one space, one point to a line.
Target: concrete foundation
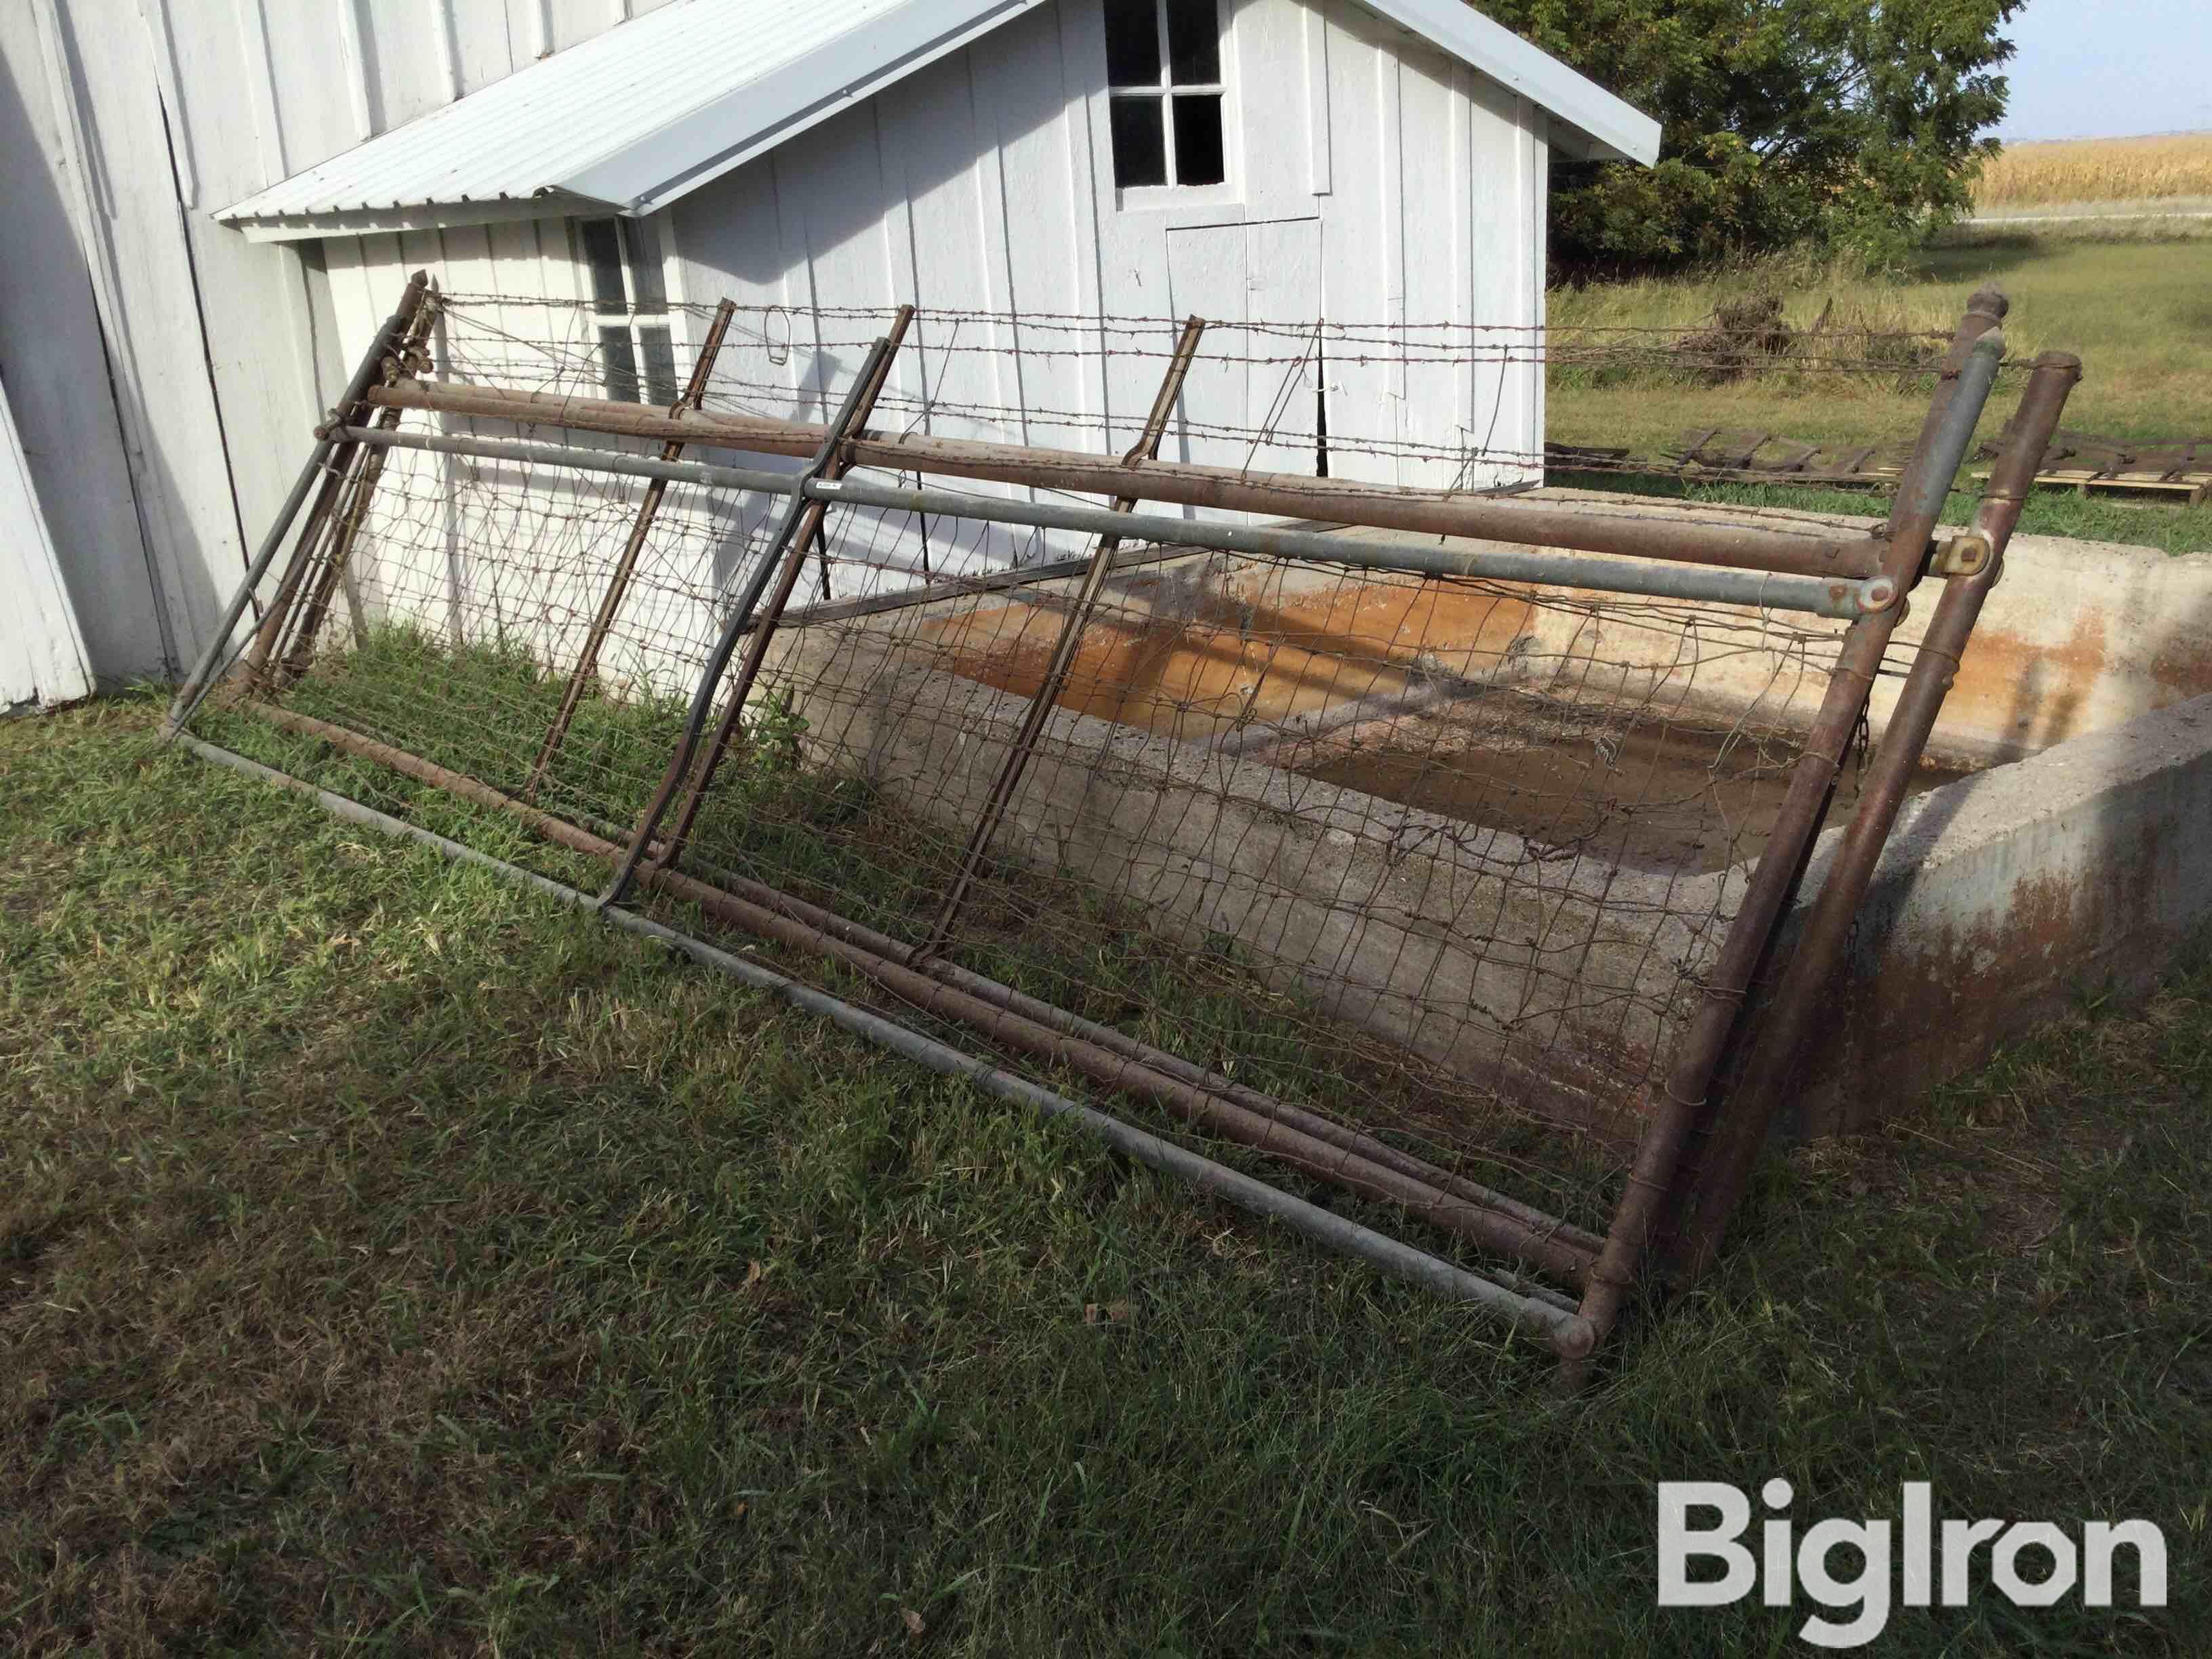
2003 898
2078 857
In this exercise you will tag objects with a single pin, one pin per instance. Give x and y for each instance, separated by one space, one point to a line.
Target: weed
397 1260
2129 309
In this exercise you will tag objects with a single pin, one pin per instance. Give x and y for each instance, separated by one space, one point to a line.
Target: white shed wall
985 183
1372 180
166 371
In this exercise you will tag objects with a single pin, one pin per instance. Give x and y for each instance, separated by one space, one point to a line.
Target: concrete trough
2057 847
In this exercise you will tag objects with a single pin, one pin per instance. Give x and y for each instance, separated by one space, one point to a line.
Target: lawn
2052 513
2134 310
395 1261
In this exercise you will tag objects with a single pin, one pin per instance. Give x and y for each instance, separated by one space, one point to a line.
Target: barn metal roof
1599 127
652 109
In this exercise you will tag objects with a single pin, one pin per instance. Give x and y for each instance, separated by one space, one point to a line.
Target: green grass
826 836
2134 310
390 1260
2048 513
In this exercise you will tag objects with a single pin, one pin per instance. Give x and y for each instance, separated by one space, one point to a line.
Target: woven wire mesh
1442 859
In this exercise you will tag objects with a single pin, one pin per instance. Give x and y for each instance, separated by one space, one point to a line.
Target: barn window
637 348
1164 92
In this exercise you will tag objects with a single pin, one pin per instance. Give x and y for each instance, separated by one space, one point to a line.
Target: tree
1842 124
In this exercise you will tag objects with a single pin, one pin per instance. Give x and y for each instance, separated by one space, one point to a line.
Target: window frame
1160 96
637 246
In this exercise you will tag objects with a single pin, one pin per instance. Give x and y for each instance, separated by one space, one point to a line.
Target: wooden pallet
2082 461
1585 457
2179 470
1763 457
2194 488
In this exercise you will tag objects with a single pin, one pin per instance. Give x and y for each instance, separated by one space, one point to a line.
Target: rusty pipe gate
1178 483
1697 1142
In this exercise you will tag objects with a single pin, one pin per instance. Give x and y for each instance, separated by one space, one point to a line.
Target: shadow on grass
390 1260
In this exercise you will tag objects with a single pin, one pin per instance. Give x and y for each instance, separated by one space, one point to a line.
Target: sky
2109 69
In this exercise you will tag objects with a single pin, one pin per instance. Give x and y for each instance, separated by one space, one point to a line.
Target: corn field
2098 170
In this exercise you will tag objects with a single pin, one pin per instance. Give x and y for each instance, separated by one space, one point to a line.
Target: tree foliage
1846 124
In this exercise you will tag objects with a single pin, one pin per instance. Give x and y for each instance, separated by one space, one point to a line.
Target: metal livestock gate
1441 871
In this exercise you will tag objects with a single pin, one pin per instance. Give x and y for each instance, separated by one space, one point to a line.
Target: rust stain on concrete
2182 667
1190 664
2020 692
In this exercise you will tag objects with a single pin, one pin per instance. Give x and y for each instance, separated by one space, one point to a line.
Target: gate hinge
1962 554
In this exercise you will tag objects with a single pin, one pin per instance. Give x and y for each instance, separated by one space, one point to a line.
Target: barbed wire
1445 858
1389 423
1040 330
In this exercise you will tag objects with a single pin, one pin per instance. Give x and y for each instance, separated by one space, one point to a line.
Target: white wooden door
1283 277
1249 401
1207 278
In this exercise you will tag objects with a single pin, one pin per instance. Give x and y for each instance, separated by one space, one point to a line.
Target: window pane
646 291
1132 43
603 253
660 353
1198 139
1141 145
618 364
1193 43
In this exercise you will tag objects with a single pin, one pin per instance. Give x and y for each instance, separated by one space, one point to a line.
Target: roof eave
307 226
1577 145
697 149
1589 122
686 152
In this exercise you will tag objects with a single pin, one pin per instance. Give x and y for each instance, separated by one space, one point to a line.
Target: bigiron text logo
2032 1564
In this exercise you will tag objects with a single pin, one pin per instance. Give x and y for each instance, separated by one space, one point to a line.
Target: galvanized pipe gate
1779 589
1697 1140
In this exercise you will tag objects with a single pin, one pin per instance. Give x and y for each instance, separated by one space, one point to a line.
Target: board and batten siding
164 371
42 655
1372 180
984 184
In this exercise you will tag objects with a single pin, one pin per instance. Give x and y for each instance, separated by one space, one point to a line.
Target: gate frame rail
1697 1148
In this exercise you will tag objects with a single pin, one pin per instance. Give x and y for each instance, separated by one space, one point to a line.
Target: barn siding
160 363
1015 135
42 655
912 195
57 375
982 183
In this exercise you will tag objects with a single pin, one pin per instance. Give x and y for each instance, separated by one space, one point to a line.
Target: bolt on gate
1436 856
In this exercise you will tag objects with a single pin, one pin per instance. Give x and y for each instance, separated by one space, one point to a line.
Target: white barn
222 198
